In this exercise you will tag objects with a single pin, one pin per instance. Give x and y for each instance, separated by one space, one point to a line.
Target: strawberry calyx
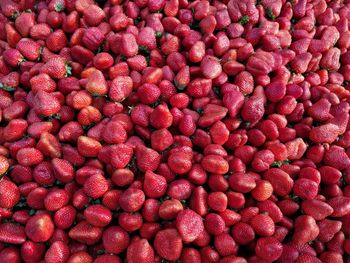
59 7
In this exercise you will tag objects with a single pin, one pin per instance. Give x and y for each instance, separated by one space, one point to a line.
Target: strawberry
46 104
32 251
88 147
140 251
12 36
121 155
129 47
189 225
115 240
56 68
93 14
340 206
215 164
85 233
4 166
130 221
39 228
29 156
40 31
96 84
95 186
29 49
268 248
24 22
262 191
103 61
168 244
80 256
42 82
225 244
281 182
214 224
107 258
328 228
154 185
93 38
169 209
132 200
98 215
12 233
64 217
57 5
56 41
56 199
57 252
146 158
120 88
161 117
12 57
263 225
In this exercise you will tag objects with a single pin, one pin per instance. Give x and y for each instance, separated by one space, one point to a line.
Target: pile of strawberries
145 131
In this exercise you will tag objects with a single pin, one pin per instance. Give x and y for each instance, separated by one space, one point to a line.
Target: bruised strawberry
39 228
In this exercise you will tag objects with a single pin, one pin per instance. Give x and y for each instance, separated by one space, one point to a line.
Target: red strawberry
81 256
121 88
132 200
12 36
15 130
56 40
32 251
49 145
306 229
114 133
107 258
42 82
121 155
12 57
39 228
140 251
340 205
29 156
215 164
56 199
93 14
40 31
95 186
268 248
57 5
103 61
96 84
115 240
182 78
147 158
154 185
263 225
46 104
56 68
24 22
9 8
65 217
225 244
4 166
98 215
57 252
85 233
93 38
281 182
189 225
168 244
161 117
29 49
88 147
12 234
81 54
